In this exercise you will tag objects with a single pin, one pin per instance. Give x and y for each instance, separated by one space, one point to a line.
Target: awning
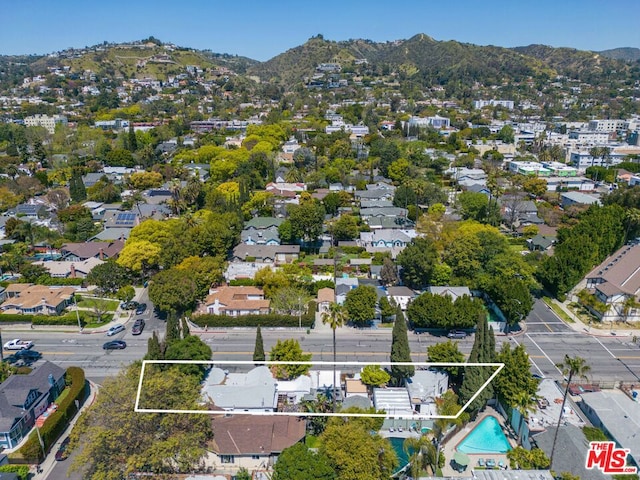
461 459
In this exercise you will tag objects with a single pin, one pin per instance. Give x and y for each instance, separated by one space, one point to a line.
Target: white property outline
312 363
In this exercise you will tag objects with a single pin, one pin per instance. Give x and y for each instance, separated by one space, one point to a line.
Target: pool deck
449 448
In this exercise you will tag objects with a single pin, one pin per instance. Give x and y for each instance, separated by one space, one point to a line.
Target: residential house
111 234
91 178
66 269
254 391
275 254
424 388
343 286
540 243
616 283
31 211
117 219
253 442
355 387
401 296
568 199
364 203
618 415
387 238
23 398
27 298
74 252
261 231
384 194
394 401
392 212
453 292
326 296
236 301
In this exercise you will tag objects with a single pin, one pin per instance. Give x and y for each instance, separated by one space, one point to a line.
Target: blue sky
263 29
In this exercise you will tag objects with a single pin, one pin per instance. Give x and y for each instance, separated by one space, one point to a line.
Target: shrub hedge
57 422
67 319
270 320
21 470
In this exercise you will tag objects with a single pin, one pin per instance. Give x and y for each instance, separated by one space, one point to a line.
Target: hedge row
57 422
270 320
68 319
21 470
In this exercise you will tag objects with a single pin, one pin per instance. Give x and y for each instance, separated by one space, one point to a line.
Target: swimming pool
397 444
486 437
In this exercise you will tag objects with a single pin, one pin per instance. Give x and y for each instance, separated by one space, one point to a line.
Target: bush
57 421
15 318
270 320
593 434
21 470
67 319
242 282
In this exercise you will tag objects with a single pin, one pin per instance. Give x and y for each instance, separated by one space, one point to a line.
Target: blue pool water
486 437
397 443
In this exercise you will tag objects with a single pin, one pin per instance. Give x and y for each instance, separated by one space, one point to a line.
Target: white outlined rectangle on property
416 416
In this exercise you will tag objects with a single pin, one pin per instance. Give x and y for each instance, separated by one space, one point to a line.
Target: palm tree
446 405
420 452
525 404
335 317
571 366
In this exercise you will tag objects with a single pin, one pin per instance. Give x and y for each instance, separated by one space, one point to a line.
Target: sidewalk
580 327
49 463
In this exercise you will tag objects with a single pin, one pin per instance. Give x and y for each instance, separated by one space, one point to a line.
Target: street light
77 313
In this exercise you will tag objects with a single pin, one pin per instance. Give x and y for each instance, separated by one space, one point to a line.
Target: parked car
62 452
28 355
115 345
115 329
138 326
129 305
458 334
17 344
140 309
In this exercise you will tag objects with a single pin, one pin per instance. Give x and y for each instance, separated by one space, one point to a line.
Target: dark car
140 309
28 355
129 305
62 452
458 334
115 345
138 326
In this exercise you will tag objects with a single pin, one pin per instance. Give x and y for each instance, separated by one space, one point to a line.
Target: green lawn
557 310
111 305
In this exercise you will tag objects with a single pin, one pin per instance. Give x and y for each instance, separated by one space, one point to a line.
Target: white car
115 329
17 344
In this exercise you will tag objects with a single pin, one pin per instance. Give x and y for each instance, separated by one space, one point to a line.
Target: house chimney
101 255
73 271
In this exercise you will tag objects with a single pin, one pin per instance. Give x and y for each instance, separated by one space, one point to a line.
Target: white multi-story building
583 159
590 137
608 125
493 103
435 122
45 121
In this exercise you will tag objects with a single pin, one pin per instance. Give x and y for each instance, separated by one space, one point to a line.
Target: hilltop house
23 398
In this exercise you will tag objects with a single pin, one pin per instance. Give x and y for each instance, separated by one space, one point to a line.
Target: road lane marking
602 345
544 353
530 358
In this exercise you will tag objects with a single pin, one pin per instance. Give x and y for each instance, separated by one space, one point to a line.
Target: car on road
27 355
63 452
140 309
457 334
115 345
132 305
138 326
17 344
115 329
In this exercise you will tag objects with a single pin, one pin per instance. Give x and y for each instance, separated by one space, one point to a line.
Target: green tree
335 317
299 463
571 367
154 348
289 351
109 277
152 442
446 406
173 291
522 459
172 332
473 205
361 304
483 351
139 255
525 404
306 219
386 309
400 350
420 452
418 260
389 272
355 454
126 293
191 347
515 377
258 350
446 352
345 228
77 190
374 376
